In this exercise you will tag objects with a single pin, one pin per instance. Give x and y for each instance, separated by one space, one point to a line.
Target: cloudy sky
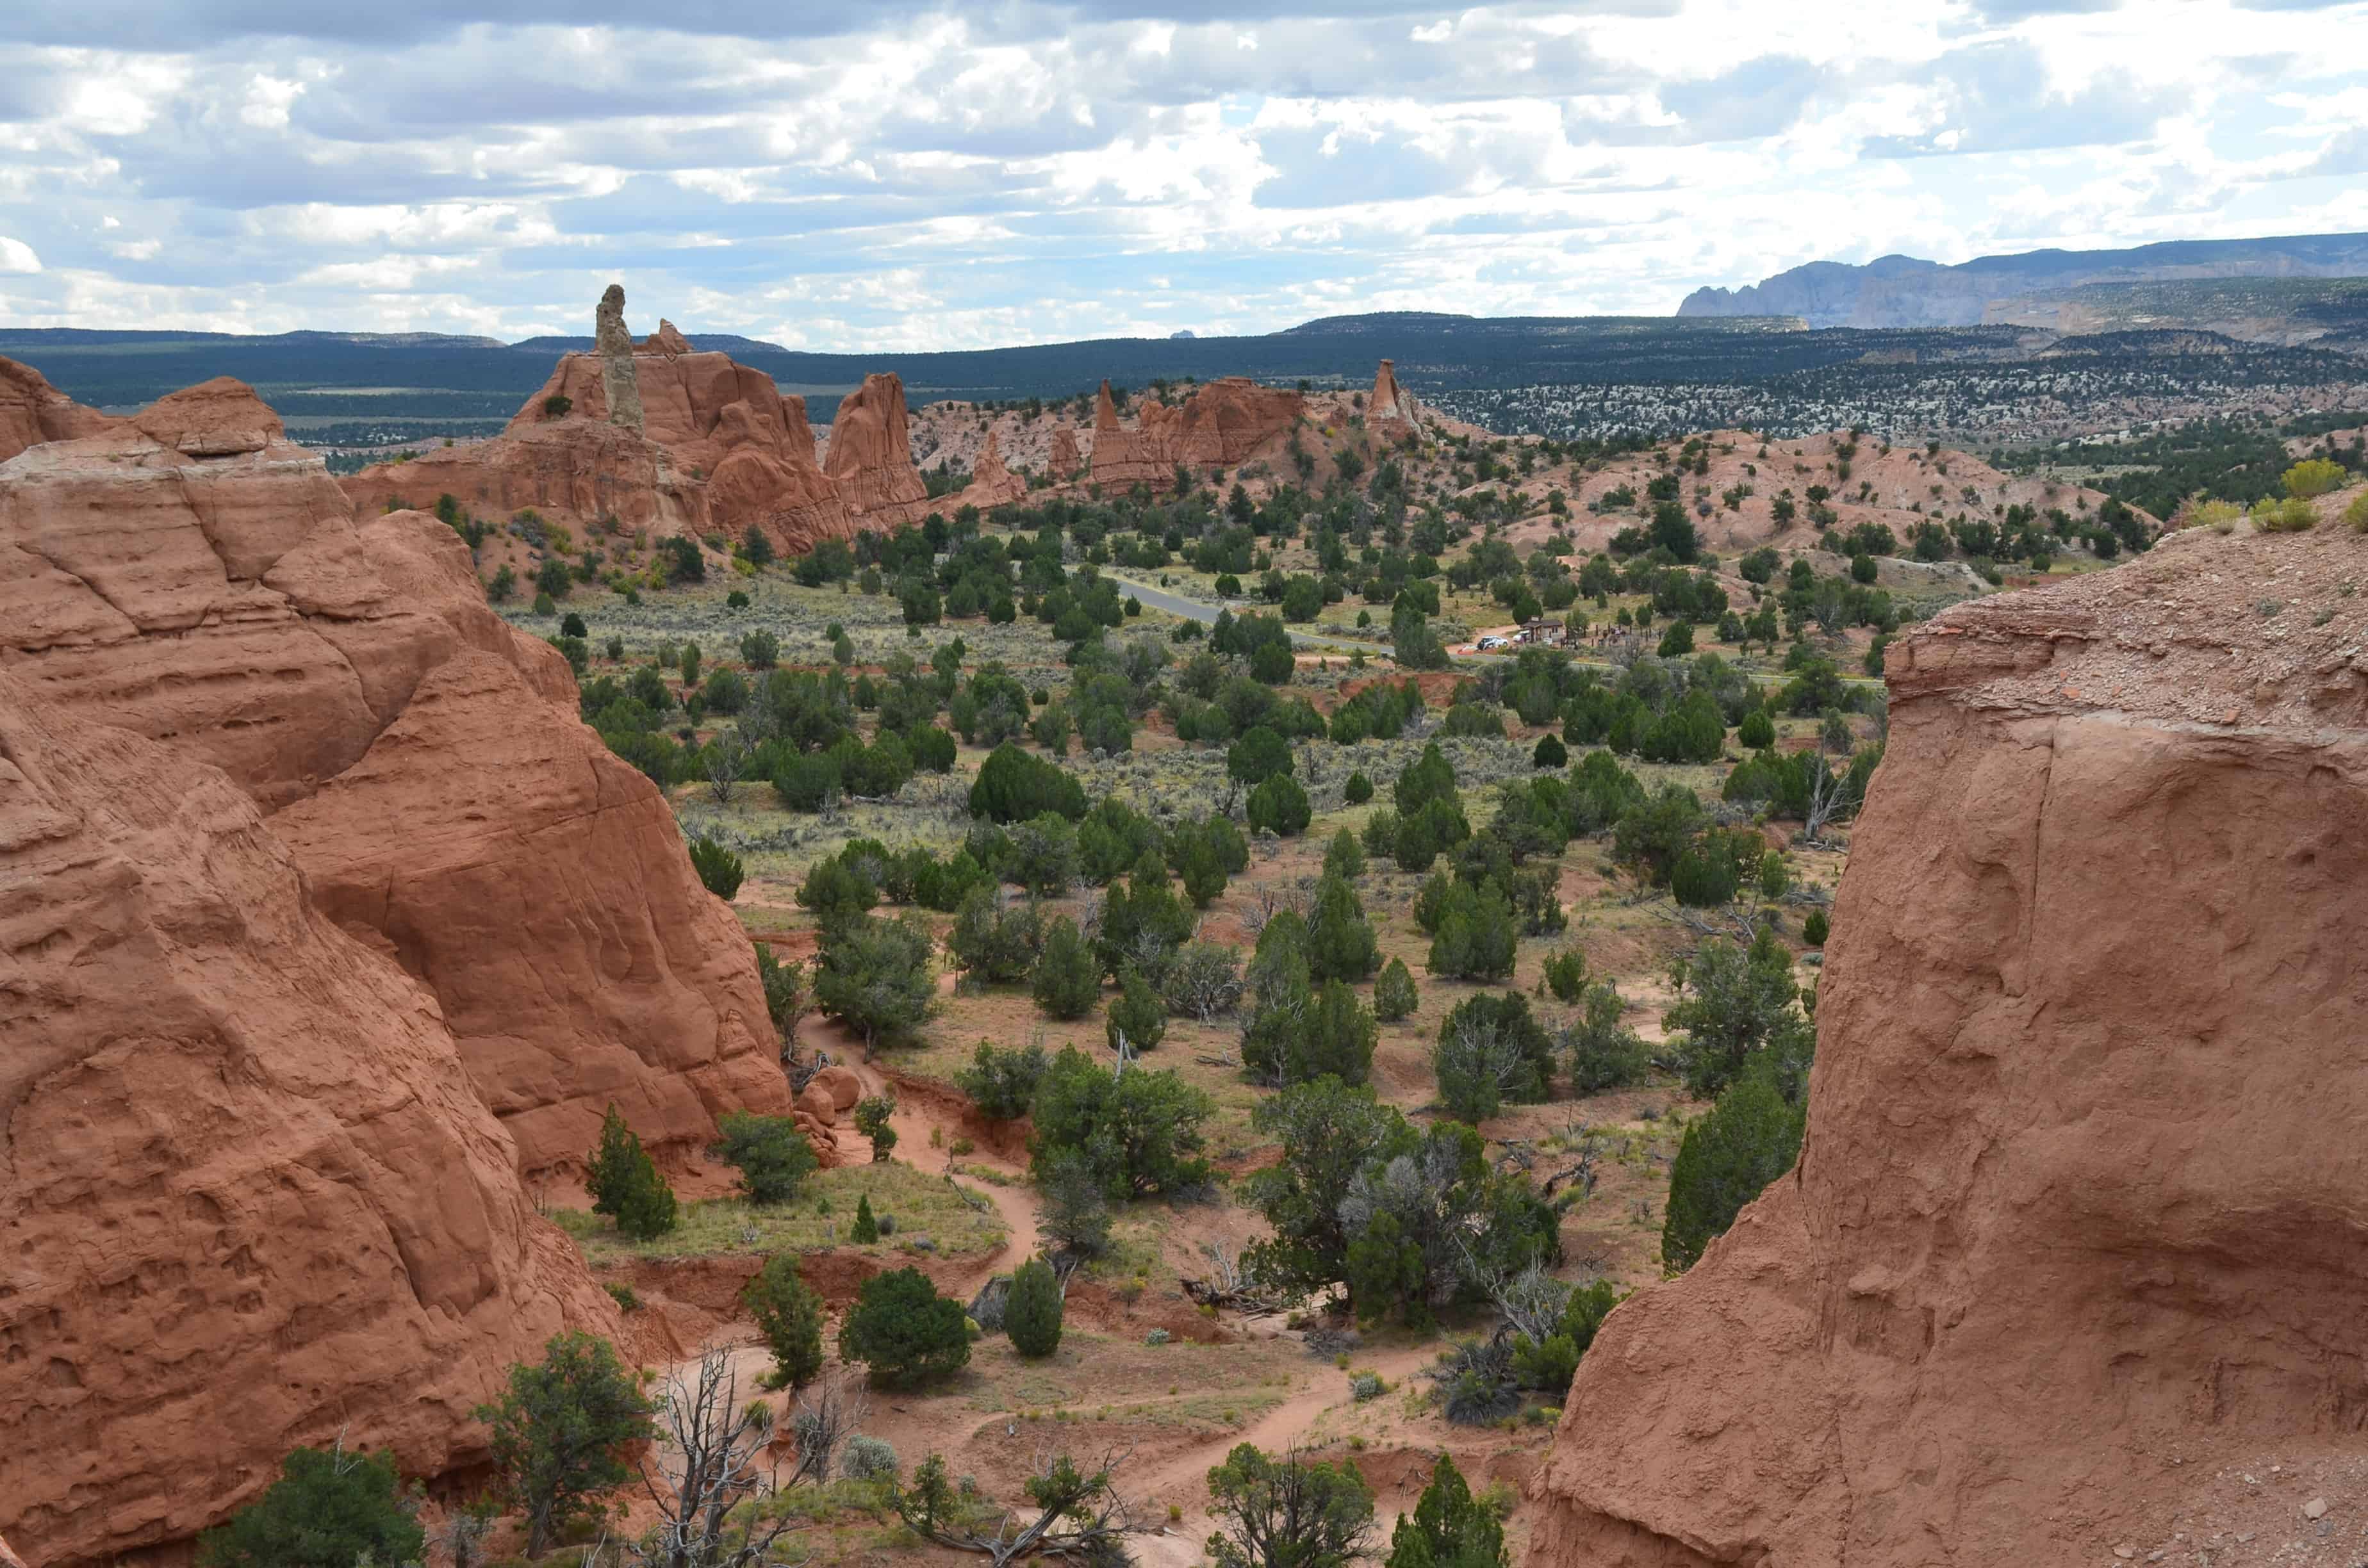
889 175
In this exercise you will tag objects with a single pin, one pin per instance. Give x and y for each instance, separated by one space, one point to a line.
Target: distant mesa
1903 292
1182 335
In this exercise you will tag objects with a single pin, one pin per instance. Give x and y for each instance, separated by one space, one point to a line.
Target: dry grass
923 1205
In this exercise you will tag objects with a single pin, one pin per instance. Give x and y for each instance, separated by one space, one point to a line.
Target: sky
905 177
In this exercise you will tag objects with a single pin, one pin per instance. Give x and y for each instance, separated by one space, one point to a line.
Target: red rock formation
32 412
534 864
230 606
222 602
571 471
1221 425
1066 460
2088 1127
9 1558
248 1193
1391 412
717 447
871 457
992 484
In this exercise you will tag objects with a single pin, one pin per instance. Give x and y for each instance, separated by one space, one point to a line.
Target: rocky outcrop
1391 412
350 678
2079 1197
533 863
1066 460
713 446
992 484
249 1195
1221 425
216 598
32 412
613 344
871 457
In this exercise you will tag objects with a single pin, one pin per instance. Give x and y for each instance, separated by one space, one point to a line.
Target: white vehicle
1487 642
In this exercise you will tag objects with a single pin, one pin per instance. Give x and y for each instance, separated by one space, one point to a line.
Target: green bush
1550 751
1567 974
625 1185
904 1331
1012 786
718 870
559 1433
870 1117
1032 1317
1140 1130
327 1510
1136 1014
789 1314
1279 805
1359 788
1750 1137
1002 1083
866 1229
772 1155
1448 1528
1816 928
1068 978
1395 997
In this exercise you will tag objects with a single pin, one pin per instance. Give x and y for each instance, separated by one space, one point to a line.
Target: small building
1543 633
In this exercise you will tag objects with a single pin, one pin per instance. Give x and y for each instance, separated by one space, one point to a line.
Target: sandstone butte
1221 425
331 930
2088 1124
1065 459
706 445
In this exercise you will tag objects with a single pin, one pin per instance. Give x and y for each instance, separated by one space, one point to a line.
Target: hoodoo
2078 1217
871 457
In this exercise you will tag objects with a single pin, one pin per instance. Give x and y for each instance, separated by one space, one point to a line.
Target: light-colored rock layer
1221 425
2089 1126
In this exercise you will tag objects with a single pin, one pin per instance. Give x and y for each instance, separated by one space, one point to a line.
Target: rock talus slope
2089 1125
248 1193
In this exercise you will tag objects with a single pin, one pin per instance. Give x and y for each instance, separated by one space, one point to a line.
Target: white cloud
918 174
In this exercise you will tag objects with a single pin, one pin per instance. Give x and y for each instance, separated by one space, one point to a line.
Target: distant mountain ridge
1904 291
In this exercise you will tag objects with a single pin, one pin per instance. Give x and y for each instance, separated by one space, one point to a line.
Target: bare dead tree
704 1467
727 759
1077 1513
828 1414
1829 798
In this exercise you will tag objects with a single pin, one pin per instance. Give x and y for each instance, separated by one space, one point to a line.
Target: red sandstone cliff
1391 410
1223 424
992 484
425 761
2089 1126
248 1193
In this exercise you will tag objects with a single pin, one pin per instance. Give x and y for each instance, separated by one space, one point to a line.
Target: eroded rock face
1223 424
2087 1125
456 813
613 344
1392 410
1066 460
32 412
541 882
248 1192
992 484
871 457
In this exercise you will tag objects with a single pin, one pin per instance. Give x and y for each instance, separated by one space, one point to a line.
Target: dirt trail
914 1121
